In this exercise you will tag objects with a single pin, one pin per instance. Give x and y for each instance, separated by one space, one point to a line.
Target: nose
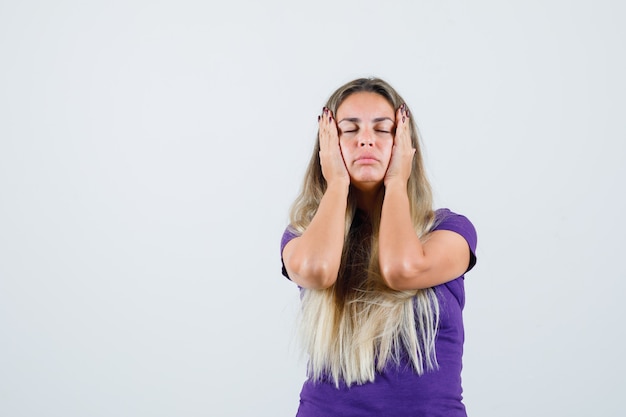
366 138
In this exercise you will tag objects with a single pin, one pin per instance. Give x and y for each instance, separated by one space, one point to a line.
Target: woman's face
366 125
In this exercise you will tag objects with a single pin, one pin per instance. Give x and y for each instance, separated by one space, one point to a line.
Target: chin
366 184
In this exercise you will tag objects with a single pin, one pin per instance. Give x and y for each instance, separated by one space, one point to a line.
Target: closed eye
384 127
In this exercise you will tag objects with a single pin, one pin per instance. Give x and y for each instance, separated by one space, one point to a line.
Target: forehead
365 106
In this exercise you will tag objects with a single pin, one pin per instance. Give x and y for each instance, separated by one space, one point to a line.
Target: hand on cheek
402 152
333 166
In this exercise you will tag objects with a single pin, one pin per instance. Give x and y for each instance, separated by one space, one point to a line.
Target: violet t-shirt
398 391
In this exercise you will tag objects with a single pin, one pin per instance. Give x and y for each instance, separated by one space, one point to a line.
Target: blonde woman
381 273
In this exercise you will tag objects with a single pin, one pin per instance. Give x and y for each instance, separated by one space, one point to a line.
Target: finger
320 120
402 114
328 134
326 118
403 128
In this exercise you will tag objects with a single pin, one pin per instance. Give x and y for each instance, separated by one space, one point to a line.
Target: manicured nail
403 119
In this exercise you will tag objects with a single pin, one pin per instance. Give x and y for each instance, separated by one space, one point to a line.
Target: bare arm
405 262
312 260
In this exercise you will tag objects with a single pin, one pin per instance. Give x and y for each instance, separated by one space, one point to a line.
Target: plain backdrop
150 150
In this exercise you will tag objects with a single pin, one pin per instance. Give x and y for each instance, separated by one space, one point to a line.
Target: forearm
313 259
401 254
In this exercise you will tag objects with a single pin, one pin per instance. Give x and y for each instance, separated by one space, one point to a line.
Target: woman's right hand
332 162
313 259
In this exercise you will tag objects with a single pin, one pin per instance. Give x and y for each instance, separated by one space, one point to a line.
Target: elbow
402 276
313 275
318 277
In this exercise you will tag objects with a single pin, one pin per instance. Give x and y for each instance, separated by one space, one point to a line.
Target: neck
366 198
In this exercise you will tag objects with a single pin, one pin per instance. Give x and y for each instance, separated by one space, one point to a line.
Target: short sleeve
288 235
447 220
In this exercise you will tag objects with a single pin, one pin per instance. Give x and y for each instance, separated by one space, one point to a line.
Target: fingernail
403 119
318 117
407 112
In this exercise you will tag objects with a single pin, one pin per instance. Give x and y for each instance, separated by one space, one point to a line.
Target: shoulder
445 219
289 234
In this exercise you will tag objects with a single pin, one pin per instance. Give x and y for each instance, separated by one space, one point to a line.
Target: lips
366 158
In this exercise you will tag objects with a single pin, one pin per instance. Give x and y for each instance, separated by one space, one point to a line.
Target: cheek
386 151
344 147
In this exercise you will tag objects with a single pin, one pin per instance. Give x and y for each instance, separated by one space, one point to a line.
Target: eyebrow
356 119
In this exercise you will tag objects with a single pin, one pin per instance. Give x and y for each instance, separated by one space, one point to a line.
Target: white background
149 152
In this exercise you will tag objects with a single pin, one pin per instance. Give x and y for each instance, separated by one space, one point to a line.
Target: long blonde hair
358 325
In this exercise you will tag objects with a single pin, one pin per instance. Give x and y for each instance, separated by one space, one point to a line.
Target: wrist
338 186
396 184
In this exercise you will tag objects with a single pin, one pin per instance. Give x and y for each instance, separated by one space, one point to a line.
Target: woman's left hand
402 152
